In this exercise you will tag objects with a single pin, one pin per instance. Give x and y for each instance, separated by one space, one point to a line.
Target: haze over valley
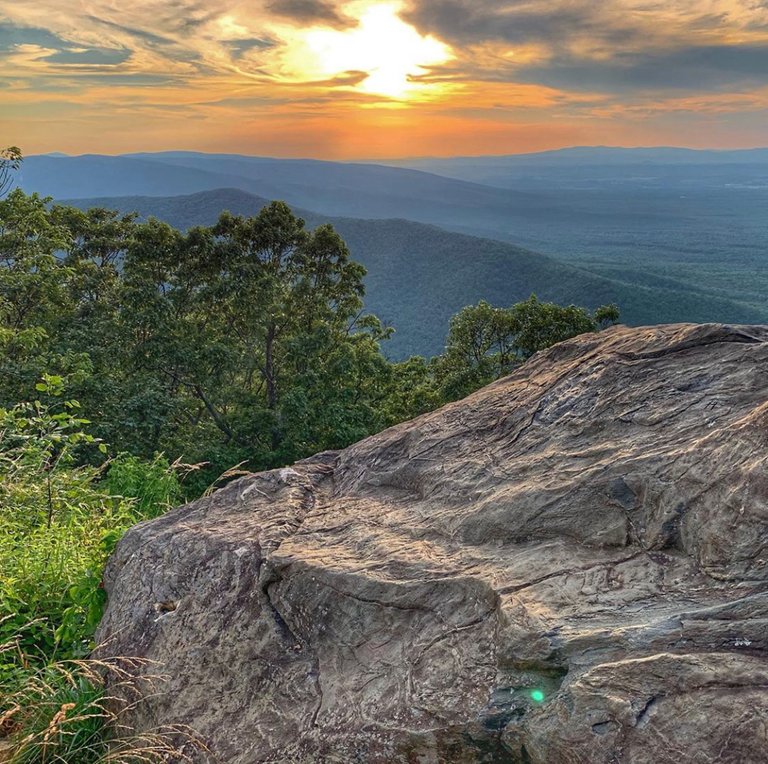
668 234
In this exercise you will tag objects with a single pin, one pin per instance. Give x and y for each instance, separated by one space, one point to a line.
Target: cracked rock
569 566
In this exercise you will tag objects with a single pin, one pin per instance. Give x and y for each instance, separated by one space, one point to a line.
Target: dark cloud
692 69
308 11
118 78
239 48
633 55
346 79
552 21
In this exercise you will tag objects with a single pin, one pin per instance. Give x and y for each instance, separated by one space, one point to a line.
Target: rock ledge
570 565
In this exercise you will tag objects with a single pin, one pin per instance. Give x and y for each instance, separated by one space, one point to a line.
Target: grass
60 518
62 713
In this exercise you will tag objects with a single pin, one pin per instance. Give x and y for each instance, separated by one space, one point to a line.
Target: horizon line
412 158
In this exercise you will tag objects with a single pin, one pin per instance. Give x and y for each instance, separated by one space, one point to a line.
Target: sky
370 79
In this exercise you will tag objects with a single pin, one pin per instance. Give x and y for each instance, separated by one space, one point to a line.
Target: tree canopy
485 342
244 341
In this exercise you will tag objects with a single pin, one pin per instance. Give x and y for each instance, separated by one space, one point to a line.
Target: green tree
485 342
35 296
10 161
537 325
250 338
245 341
480 348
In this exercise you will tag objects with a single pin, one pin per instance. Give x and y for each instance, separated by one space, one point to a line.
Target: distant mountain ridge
604 166
616 154
695 228
331 188
420 275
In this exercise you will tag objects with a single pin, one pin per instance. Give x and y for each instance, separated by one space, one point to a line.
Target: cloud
618 46
566 64
31 46
240 48
310 11
694 69
554 21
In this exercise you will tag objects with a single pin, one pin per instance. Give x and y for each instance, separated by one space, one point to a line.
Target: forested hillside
420 275
693 224
244 341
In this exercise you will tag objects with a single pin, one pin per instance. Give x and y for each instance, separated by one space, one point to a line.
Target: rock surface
570 565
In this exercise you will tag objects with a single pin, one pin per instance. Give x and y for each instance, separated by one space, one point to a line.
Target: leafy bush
151 487
59 521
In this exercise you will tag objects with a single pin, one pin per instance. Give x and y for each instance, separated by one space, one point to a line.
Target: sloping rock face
569 566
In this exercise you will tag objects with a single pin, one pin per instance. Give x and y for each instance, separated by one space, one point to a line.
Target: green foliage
59 519
58 716
58 522
60 712
150 488
244 342
485 343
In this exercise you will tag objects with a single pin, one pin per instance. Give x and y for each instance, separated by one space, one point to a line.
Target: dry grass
78 712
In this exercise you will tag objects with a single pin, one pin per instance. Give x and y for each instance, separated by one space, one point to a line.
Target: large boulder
570 565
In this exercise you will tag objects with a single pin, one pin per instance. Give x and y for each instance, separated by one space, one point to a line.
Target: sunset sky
371 79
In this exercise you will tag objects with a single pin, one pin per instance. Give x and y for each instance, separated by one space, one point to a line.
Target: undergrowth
62 713
60 518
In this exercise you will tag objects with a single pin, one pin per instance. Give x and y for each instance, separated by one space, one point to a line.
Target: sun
383 47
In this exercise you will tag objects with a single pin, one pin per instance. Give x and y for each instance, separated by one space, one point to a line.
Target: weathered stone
570 565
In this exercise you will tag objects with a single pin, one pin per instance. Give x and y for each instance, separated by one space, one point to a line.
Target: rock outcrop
569 566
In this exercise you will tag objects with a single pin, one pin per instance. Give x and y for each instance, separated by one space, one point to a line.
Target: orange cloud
379 78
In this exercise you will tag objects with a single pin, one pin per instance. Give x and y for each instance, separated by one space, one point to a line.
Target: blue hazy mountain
420 275
603 211
595 167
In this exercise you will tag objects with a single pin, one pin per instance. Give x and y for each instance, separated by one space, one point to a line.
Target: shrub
59 521
151 487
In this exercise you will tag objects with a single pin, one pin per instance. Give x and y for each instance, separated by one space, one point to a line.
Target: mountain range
595 167
668 234
420 275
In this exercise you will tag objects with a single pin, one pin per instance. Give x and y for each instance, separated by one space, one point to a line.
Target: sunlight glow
382 46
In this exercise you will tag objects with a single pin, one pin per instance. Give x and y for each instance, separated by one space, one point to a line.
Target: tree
10 161
245 341
480 348
607 315
485 343
537 325
248 339
35 297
